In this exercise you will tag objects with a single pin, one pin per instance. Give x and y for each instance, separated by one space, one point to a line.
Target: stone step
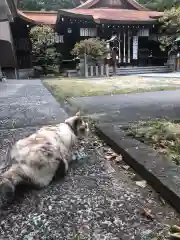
135 73
141 70
143 67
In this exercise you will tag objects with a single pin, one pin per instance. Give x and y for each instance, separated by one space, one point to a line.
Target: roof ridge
91 3
87 4
43 12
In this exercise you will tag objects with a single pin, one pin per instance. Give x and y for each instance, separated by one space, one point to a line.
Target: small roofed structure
136 28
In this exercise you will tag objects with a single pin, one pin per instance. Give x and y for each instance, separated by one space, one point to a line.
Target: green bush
43 49
93 47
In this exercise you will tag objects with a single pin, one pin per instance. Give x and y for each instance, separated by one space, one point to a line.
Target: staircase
140 70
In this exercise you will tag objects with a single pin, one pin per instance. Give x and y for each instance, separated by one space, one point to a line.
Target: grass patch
71 88
162 135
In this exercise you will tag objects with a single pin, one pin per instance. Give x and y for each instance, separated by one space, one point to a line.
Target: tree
43 49
170 29
31 5
160 5
47 4
93 47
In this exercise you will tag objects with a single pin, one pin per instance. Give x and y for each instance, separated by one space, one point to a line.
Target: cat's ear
78 114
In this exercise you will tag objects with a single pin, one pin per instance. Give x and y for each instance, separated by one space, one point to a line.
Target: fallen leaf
136 177
162 200
126 167
175 229
147 213
142 183
110 155
110 158
118 159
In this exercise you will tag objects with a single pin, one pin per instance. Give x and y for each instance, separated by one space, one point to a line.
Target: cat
38 157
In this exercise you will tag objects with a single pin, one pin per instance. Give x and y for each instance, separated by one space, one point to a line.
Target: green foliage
160 5
47 4
93 47
163 135
43 50
31 5
170 29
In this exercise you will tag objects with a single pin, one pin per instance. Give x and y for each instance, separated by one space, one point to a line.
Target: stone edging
161 174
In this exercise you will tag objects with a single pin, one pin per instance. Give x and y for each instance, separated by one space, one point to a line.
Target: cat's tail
8 182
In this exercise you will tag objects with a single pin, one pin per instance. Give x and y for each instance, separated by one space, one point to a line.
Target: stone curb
161 174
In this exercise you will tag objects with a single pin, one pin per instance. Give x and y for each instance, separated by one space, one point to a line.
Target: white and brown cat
38 157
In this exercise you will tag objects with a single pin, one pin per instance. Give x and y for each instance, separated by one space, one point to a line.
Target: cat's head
79 125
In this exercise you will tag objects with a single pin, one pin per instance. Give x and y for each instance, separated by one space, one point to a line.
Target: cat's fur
38 157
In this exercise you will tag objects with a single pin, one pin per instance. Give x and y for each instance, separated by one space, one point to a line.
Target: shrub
43 49
93 47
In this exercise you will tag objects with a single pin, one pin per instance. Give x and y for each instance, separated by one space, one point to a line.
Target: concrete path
26 103
95 201
162 75
132 107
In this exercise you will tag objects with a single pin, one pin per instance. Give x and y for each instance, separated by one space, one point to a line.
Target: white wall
5 31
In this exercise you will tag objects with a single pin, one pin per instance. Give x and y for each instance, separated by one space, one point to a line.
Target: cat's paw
7 191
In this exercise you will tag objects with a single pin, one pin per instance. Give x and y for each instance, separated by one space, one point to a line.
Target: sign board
135 47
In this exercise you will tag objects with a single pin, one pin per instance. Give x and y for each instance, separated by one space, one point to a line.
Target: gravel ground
97 200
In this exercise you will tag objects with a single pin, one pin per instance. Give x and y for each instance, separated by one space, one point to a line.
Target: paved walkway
27 103
162 75
132 107
95 201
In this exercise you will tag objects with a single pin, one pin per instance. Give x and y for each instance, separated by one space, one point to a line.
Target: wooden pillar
119 50
97 70
178 62
107 70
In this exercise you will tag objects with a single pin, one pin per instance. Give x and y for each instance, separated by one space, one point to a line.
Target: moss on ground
162 135
71 88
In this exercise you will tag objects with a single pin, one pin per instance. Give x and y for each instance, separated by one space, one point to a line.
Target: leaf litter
108 154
